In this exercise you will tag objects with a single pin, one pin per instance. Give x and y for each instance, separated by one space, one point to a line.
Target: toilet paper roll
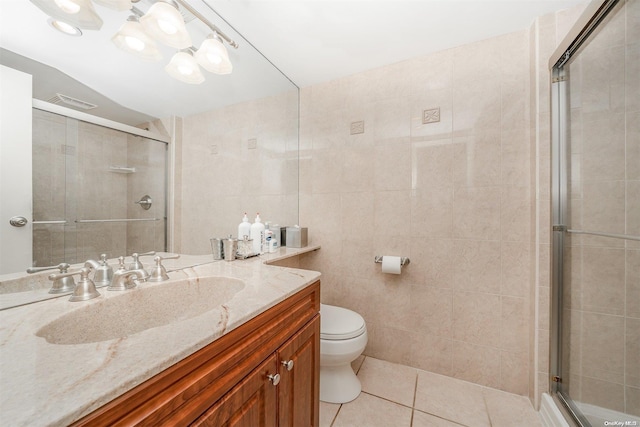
391 264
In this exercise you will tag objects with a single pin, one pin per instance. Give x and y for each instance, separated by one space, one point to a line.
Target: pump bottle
257 235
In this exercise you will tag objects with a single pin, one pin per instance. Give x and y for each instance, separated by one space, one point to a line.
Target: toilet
343 337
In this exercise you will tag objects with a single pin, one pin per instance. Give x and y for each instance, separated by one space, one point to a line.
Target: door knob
18 221
275 379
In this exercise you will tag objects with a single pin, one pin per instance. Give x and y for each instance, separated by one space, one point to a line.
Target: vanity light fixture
76 13
64 27
132 38
184 67
213 56
164 23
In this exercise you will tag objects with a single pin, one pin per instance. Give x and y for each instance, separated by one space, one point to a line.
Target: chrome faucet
103 271
137 265
84 290
61 285
123 279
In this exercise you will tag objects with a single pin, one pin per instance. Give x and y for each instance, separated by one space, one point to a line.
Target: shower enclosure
89 188
596 219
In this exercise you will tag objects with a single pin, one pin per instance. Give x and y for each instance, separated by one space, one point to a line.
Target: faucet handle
136 264
84 290
121 267
159 273
62 283
63 267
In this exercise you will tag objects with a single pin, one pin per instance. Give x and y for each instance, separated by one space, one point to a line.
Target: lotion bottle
257 234
244 229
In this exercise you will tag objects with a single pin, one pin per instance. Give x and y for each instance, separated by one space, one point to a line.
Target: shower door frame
595 13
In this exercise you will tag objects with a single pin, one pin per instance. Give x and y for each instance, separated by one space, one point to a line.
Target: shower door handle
18 221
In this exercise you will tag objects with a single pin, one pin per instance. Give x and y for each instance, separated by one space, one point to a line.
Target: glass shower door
89 190
598 223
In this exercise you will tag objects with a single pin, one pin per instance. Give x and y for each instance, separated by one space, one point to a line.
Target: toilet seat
337 323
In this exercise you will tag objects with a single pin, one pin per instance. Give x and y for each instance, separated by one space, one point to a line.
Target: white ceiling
319 40
311 41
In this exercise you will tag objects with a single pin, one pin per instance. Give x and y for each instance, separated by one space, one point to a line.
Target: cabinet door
298 398
252 403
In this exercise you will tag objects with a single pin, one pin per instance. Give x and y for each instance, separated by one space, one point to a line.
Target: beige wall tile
476 318
477 266
603 280
603 341
432 353
475 363
632 352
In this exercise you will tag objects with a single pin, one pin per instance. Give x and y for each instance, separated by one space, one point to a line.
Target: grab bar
49 222
87 221
597 233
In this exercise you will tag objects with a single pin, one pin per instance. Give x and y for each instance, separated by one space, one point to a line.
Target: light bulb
68 6
185 70
134 43
64 27
167 26
216 59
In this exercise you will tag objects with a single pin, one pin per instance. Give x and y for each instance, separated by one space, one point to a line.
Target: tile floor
399 396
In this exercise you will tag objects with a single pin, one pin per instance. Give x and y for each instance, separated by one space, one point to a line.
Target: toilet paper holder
403 260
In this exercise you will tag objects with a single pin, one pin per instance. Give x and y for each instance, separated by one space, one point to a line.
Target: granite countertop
56 384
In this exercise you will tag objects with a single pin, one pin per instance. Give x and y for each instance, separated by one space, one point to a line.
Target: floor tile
452 399
420 419
371 411
328 413
390 381
505 408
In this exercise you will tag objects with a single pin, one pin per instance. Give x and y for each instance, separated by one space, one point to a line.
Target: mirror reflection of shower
91 191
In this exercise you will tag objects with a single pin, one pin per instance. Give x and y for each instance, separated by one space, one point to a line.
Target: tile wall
454 196
241 158
466 198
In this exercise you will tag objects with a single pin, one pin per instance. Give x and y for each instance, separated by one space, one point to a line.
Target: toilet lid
337 323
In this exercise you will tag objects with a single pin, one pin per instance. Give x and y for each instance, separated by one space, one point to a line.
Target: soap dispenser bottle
244 229
257 235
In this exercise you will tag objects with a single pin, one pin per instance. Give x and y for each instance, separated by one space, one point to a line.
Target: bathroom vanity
251 358
249 377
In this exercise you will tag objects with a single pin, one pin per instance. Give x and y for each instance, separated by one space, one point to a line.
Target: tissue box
296 237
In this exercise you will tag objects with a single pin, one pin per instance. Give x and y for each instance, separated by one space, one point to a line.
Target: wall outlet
431 115
357 127
252 144
213 149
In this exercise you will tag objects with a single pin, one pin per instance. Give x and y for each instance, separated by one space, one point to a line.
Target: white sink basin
140 309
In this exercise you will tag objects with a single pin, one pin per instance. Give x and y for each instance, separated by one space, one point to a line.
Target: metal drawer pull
288 364
275 379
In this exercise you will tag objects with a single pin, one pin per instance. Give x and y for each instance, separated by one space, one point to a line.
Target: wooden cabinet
263 373
299 359
250 403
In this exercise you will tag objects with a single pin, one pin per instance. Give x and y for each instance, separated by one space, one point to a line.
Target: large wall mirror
206 153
